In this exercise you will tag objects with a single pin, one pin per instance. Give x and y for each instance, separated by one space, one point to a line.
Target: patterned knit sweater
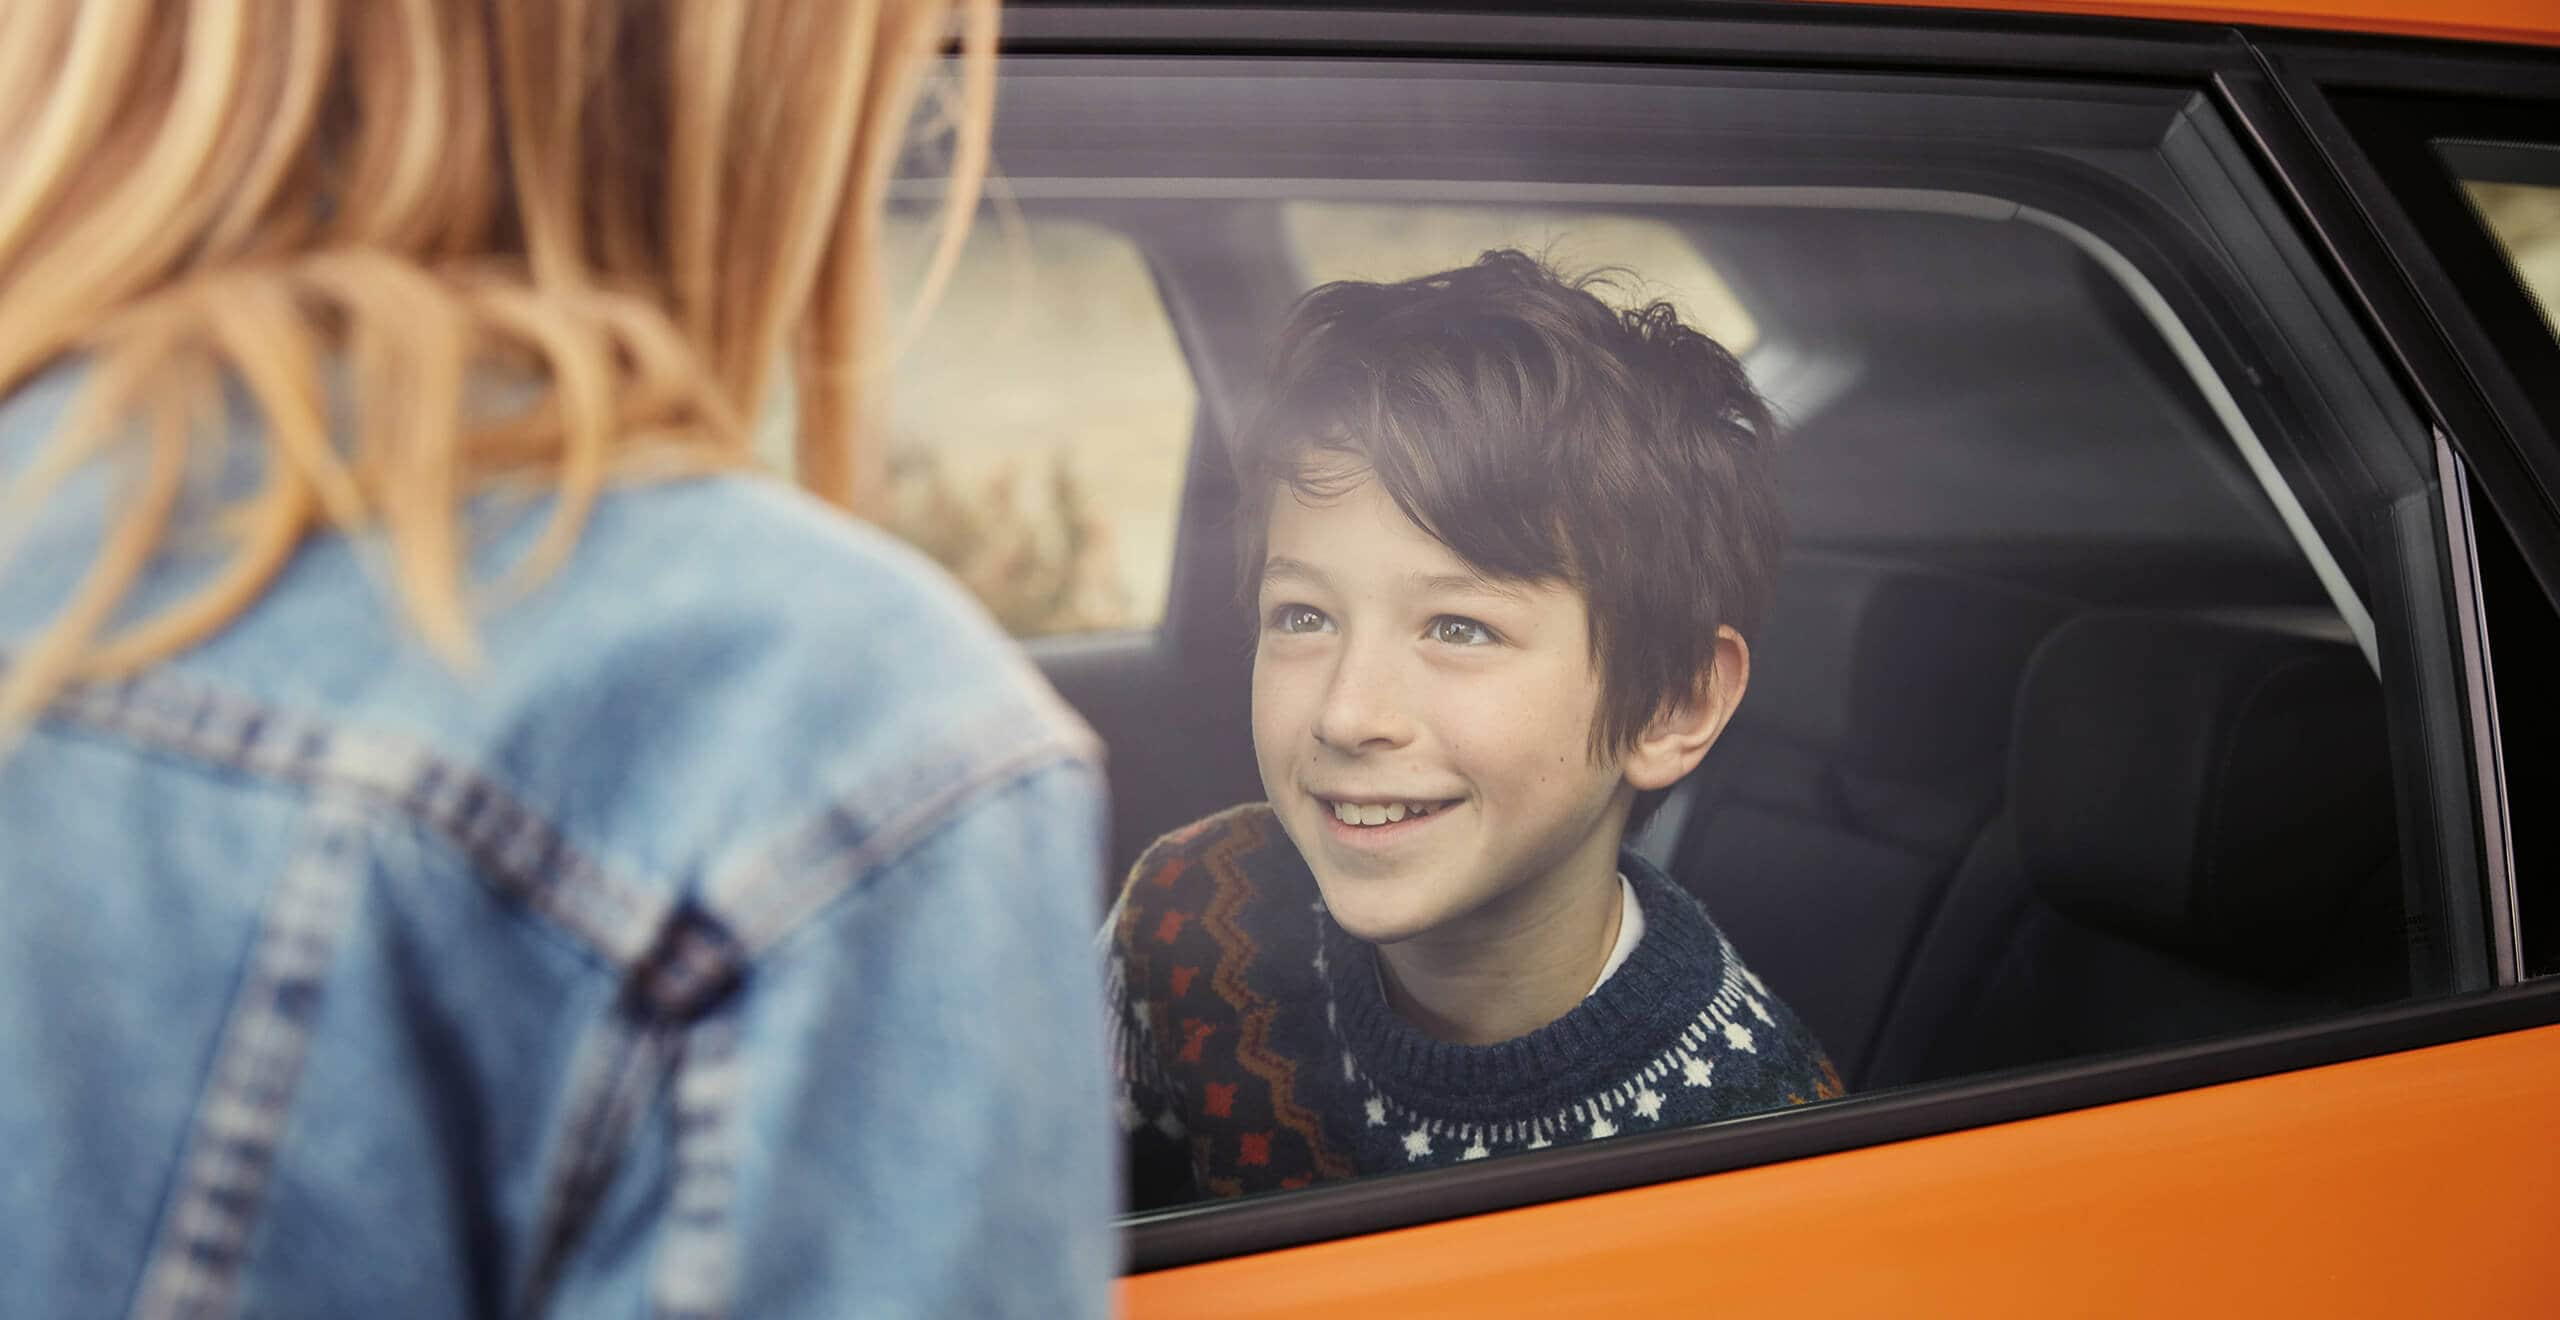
1256 1049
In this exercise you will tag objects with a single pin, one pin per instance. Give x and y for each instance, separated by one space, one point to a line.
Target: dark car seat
1868 755
2198 840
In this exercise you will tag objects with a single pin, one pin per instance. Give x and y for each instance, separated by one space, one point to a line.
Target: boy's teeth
1356 813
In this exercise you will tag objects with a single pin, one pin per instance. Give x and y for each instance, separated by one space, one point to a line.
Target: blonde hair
365 211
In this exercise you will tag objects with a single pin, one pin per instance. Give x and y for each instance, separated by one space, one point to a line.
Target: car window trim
2226 409
2388 263
2475 288
2391 263
2435 286
2506 931
1647 31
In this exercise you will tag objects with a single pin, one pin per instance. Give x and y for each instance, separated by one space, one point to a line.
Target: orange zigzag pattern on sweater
1234 892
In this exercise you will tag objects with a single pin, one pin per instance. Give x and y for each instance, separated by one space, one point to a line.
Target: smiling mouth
1372 815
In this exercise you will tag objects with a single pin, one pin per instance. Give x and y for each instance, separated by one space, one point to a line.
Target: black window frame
2223 62
2376 113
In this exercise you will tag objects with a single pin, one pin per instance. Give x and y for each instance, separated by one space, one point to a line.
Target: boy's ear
1679 737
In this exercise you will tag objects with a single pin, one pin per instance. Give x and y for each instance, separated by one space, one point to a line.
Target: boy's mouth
1370 815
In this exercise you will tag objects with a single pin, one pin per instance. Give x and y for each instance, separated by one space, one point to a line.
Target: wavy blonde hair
638 208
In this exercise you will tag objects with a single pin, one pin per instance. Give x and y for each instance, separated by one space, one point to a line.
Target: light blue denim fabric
718 948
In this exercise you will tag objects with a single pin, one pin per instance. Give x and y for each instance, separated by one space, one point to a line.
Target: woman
467 842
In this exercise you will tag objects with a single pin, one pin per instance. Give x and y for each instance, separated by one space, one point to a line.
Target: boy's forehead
1342 506
1357 533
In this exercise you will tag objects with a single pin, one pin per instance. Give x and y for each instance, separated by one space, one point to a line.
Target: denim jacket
716 947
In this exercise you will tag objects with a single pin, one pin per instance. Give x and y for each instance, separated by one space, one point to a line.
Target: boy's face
1389 675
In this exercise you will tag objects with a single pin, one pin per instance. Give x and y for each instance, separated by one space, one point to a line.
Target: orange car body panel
2417 1183
2532 21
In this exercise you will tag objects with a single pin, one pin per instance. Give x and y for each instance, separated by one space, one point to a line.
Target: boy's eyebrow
1468 584
1281 566
1471 584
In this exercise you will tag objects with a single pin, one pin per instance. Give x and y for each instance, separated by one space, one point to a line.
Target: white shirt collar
1630 929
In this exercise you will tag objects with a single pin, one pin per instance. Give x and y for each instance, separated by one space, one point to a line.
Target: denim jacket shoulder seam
520 851
861 833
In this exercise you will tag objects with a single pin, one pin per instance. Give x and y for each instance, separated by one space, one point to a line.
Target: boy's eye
1450 630
1298 619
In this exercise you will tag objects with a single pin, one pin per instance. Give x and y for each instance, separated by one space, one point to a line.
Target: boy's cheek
1271 719
1271 660
1281 685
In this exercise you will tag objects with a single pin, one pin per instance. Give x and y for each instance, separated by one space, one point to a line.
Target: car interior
1950 823
2068 734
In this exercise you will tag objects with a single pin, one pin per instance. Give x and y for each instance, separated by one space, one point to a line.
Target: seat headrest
2217 790
1899 672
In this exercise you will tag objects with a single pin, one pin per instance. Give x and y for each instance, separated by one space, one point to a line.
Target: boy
1503 545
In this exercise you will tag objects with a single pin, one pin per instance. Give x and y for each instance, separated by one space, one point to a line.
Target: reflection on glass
1037 423
1648 260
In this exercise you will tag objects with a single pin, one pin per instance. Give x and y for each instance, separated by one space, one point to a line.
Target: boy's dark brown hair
1542 436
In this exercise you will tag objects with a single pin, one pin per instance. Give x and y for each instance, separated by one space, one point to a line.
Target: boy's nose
1361 710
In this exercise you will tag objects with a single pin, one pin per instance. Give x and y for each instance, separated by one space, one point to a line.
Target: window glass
2515 190
2033 576
2074 683
1038 424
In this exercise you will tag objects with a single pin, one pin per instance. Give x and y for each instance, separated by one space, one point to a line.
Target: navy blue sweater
1257 1051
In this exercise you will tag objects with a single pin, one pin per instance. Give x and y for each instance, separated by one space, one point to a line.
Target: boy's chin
1369 916
1376 908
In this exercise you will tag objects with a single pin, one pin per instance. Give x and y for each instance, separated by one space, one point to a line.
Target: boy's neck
1505 979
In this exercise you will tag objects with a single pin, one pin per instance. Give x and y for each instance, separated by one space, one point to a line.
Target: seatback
2198 840
1868 754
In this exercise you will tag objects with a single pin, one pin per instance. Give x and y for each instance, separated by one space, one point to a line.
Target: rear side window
2103 702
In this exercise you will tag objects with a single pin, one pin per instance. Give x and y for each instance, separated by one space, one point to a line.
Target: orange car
2139 360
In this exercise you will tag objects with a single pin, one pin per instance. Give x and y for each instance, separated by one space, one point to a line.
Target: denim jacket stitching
697 1266
775 891
677 1025
519 851
202 1242
691 973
